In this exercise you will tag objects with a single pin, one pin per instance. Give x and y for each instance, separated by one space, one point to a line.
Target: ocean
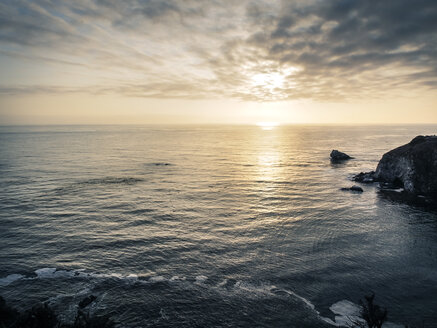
210 226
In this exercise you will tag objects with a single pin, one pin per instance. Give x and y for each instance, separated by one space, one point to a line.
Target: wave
53 273
105 181
201 279
157 279
346 313
141 211
226 286
112 180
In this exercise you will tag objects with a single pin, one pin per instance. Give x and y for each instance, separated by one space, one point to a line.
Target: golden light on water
267 125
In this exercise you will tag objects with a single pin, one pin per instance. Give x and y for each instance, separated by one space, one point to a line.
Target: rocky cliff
412 166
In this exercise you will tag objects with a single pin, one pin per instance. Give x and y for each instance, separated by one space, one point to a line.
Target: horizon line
218 124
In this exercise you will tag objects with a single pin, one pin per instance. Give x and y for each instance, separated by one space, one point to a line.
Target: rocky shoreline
409 170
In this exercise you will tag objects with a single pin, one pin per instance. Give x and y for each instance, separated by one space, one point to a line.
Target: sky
218 61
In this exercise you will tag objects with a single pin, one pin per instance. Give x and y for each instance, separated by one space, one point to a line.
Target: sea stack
338 156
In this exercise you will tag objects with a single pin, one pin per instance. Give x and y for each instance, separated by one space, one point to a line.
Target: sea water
210 226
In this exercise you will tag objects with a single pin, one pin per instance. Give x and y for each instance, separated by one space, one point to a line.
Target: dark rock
43 316
353 188
8 315
356 188
401 196
39 316
365 177
87 301
85 320
338 156
412 166
161 164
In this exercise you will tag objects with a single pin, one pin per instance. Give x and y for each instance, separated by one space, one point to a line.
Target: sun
270 81
267 125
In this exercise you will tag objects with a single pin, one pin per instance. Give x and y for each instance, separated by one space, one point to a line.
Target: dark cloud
338 39
189 48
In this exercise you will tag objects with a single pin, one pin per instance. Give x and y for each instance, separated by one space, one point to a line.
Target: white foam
329 321
52 273
157 279
254 289
97 275
395 189
303 299
223 283
10 279
347 313
176 278
271 290
345 307
266 289
201 278
132 276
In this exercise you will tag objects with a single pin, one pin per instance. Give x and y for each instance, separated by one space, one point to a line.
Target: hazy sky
218 61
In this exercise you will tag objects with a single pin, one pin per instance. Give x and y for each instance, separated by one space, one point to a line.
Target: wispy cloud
253 50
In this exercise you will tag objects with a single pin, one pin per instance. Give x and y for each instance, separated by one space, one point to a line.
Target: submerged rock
353 188
338 156
365 177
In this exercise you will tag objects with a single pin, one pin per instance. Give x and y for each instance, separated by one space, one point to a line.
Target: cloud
252 49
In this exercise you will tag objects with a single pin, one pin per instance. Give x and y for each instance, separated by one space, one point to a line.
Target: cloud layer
252 50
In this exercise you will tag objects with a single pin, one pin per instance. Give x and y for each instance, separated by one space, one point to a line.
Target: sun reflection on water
267 125
269 153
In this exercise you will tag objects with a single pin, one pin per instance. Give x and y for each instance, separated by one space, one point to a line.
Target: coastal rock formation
338 156
365 177
412 166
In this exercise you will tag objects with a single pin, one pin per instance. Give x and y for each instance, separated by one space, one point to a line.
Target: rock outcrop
365 177
353 188
338 156
412 166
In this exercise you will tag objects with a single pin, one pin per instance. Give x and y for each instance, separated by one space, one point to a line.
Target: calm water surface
209 226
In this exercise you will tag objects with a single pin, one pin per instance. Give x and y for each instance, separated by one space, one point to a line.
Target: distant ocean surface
210 226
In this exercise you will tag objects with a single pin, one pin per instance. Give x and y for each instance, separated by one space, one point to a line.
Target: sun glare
267 125
271 83
271 80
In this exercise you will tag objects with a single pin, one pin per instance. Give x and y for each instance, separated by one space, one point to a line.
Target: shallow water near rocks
219 226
